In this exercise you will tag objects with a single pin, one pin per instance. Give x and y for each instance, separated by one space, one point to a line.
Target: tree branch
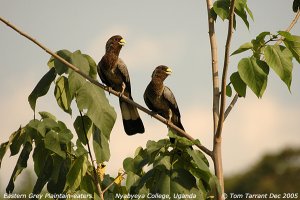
289 28
111 91
97 182
214 64
231 105
225 69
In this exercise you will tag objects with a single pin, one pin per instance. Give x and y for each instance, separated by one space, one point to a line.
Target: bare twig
231 105
111 91
225 69
214 64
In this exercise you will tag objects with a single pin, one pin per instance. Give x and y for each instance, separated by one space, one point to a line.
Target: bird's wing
148 101
122 69
170 98
101 73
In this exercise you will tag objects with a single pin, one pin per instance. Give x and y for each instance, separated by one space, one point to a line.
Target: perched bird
113 72
160 99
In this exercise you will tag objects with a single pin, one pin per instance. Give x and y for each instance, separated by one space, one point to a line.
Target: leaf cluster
253 71
58 162
164 169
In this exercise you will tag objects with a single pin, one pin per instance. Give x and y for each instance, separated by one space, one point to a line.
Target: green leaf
21 164
101 146
40 155
80 61
52 143
99 110
41 88
57 64
201 164
254 73
93 66
279 58
294 46
75 83
18 139
242 48
259 43
238 84
221 7
128 165
180 140
249 12
45 115
240 6
287 35
44 175
228 90
131 180
77 172
3 148
62 94
83 127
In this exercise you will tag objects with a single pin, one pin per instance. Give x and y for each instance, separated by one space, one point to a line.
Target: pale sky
173 33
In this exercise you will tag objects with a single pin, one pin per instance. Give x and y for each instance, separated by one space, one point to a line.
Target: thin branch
214 64
111 91
294 21
97 182
111 184
231 105
225 69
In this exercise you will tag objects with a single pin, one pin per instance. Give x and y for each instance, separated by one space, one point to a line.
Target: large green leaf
21 164
41 88
62 94
83 127
77 172
80 61
254 73
176 184
221 7
238 84
52 143
101 146
40 155
76 81
99 110
93 66
279 58
201 164
44 175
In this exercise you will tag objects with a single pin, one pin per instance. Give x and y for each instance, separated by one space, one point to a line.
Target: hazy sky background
173 33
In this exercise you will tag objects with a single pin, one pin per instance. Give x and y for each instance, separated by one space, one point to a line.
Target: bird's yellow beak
122 42
169 71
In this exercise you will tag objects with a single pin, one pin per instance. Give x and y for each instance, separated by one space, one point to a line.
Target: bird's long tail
131 119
